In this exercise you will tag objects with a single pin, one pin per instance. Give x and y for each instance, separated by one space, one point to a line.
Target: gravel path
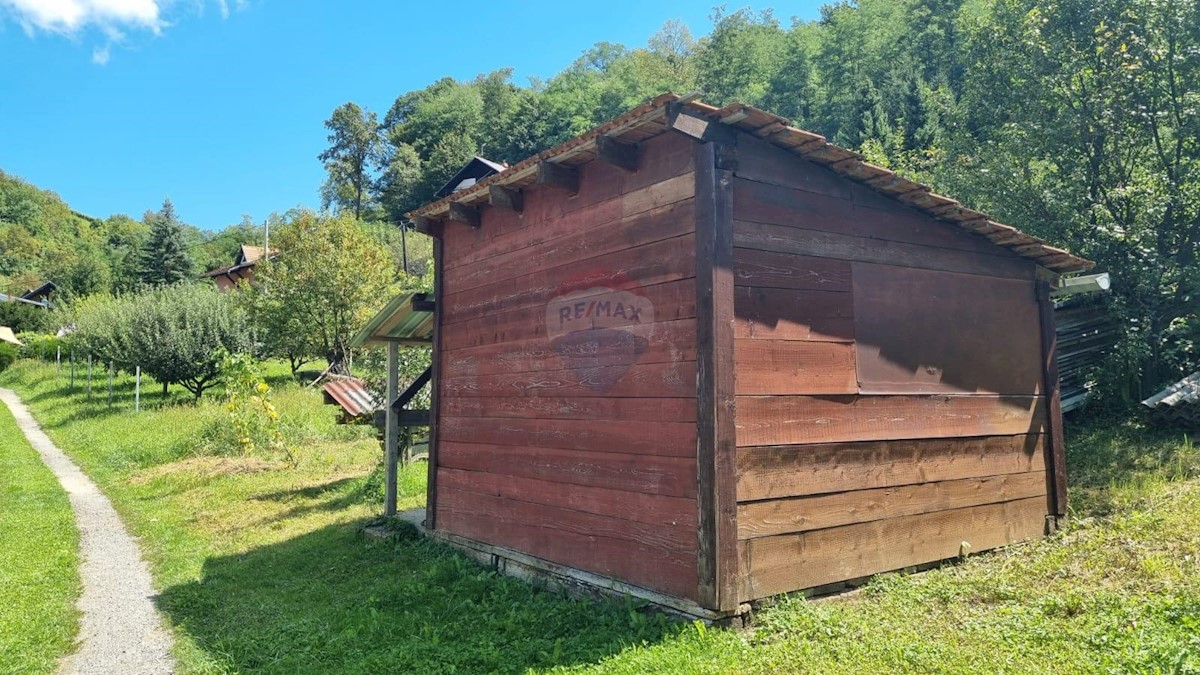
120 631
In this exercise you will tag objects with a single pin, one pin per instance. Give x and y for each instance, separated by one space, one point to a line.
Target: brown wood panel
574 408
671 301
656 343
658 557
778 205
668 439
647 474
801 514
773 472
784 239
550 213
773 565
787 420
646 380
787 314
639 507
656 263
764 367
769 269
922 331
585 240
436 356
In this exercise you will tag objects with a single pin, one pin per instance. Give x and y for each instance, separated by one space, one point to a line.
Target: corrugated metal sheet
1178 403
352 395
398 320
648 120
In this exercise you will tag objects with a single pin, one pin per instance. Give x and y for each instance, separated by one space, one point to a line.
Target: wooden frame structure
703 357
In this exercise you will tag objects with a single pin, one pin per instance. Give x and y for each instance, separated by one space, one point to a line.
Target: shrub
42 347
175 333
8 354
253 418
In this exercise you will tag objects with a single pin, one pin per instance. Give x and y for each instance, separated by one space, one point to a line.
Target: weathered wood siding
569 437
889 382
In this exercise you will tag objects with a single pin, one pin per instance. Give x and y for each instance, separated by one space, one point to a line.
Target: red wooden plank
787 314
639 507
1057 458
657 263
573 408
770 269
671 301
655 343
777 205
792 367
785 420
648 474
668 439
922 331
650 556
671 380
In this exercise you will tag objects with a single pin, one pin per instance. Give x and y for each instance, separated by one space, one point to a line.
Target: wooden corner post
391 434
716 447
1056 458
435 384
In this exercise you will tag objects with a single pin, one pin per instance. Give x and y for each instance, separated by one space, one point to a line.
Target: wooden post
434 383
110 382
58 361
716 447
72 382
137 389
391 428
89 377
1056 457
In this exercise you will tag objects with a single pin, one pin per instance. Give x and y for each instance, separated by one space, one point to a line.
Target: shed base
569 580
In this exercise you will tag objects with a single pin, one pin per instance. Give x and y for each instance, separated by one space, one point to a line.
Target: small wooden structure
703 357
406 320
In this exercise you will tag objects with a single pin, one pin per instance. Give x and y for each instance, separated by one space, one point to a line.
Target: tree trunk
165 385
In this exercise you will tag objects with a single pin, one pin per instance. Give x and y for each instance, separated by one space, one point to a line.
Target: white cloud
100 55
69 16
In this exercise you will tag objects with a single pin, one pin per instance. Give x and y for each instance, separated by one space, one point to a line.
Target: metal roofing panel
352 395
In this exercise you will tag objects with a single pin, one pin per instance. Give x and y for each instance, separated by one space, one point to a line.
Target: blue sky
115 104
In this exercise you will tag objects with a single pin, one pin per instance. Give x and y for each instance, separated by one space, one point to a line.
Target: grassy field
262 569
39 578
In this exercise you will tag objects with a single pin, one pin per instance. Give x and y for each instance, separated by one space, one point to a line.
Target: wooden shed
703 357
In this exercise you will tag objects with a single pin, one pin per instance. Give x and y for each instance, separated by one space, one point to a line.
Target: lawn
39 580
261 567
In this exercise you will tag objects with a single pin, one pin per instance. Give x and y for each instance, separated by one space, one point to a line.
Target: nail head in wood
506 198
558 176
620 155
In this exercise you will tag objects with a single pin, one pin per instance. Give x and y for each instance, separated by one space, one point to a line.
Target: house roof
406 318
475 170
247 257
5 297
654 118
40 293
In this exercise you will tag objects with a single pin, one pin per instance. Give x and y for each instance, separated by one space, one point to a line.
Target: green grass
262 569
39 581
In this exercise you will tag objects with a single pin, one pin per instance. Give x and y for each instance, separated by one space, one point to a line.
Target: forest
1076 120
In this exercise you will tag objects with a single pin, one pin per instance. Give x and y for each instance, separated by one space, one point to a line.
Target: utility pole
404 243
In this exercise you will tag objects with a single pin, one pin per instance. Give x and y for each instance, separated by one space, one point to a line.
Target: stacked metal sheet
1178 403
1086 331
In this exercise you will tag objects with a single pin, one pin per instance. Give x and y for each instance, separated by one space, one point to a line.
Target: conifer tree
165 258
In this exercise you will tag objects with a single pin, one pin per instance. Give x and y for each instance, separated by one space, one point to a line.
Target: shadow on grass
335 601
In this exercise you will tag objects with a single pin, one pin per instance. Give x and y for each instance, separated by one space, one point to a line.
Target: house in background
475 170
41 294
227 278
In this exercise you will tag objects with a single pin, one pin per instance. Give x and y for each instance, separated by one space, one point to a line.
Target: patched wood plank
771 269
668 439
574 408
800 514
788 314
764 367
773 472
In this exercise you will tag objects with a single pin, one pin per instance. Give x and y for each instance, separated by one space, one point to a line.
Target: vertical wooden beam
1056 457
716 447
435 384
391 430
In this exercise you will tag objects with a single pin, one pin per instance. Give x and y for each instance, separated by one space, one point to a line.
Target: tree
355 149
326 280
174 333
165 259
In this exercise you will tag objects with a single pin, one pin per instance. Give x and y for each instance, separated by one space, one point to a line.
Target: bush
175 333
8 354
41 347
23 317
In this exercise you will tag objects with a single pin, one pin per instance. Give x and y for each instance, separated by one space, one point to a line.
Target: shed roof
408 317
655 117
474 171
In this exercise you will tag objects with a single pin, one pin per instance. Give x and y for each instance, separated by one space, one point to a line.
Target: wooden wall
576 447
888 382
